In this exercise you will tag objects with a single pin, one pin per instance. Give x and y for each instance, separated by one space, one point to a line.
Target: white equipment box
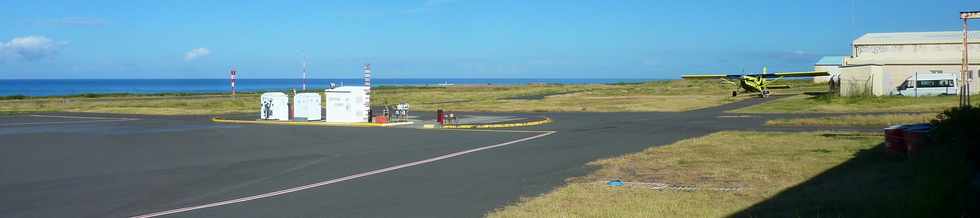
348 104
274 106
306 106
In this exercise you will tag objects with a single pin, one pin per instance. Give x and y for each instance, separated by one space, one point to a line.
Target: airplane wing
794 74
803 74
709 76
778 87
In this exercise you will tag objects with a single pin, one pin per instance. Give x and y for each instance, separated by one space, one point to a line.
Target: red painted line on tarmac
341 179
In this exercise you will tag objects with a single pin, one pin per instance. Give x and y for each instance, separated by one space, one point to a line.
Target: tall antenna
367 75
367 83
234 76
304 72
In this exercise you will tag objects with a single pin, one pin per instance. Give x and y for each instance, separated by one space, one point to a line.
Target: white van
929 84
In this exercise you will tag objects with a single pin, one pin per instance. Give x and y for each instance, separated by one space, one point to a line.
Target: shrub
13 97
956 131
958 126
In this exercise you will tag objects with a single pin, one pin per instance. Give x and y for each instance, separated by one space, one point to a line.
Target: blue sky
442 38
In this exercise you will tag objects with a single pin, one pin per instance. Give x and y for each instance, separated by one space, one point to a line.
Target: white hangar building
881 62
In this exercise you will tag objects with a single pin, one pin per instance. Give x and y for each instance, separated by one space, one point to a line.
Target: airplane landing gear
765 93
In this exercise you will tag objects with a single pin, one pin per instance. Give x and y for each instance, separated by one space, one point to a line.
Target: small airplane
760 83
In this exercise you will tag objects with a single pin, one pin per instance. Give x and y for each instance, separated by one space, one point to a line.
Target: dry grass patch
674 95
827 104
763 163
877 120
158 105
587 103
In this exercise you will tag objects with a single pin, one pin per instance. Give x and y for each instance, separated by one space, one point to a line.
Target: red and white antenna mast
234 76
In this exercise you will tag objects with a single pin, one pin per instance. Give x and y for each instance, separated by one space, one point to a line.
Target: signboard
970 15
347 104
274 106
307 106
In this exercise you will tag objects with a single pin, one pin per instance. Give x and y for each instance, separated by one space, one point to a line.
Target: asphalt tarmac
99 165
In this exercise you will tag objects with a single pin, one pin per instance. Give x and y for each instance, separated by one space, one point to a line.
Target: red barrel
380 119
895 139
914 136
440 116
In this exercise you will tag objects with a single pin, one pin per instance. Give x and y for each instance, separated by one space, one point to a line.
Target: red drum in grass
895 139
915 137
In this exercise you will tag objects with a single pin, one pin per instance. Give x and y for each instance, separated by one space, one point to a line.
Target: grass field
676 95
136 104
653 96
826 104
875 120
820 174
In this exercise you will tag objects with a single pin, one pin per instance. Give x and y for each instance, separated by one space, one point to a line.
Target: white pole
304 72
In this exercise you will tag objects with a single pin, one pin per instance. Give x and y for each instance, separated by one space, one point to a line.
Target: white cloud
196 53
29 48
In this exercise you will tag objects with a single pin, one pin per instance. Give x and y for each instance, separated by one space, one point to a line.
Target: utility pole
966 77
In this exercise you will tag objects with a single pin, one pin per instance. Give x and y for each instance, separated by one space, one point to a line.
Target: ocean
58 87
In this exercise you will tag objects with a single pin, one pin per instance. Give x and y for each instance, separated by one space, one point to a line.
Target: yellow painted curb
295 123
501 125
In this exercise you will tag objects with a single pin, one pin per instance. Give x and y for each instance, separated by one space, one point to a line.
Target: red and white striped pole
234 76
